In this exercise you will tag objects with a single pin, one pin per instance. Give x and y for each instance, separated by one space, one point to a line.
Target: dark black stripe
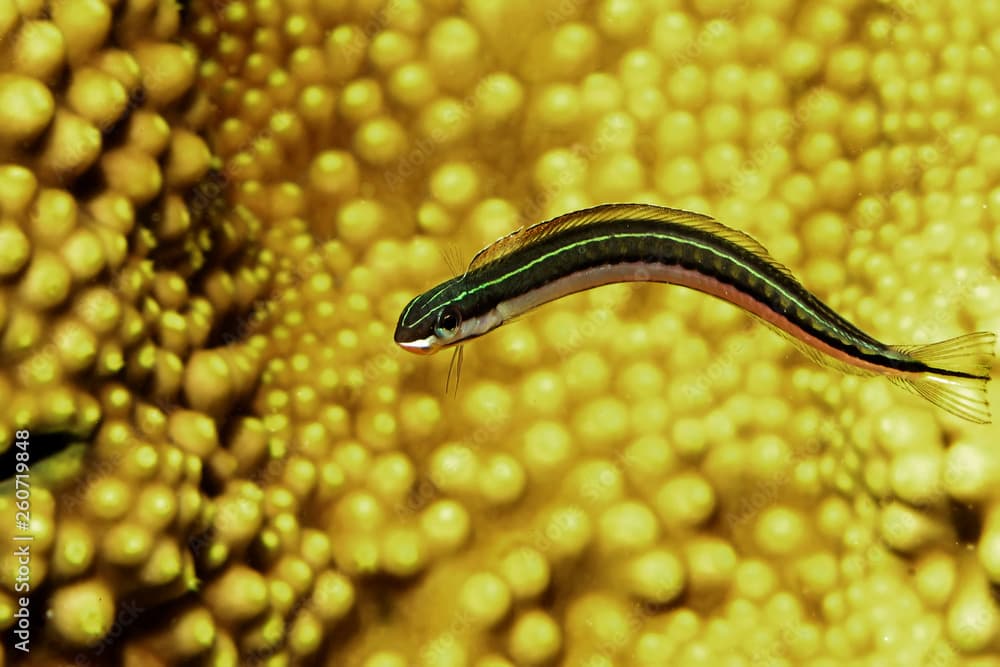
677 249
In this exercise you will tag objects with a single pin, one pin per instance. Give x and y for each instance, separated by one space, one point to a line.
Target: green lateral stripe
530 268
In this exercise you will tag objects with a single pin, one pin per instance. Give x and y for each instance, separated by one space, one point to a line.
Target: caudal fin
961 368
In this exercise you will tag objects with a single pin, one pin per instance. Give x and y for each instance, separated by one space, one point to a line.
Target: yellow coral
107 224
207 231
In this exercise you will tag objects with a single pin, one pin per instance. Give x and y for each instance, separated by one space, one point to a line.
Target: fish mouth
422 346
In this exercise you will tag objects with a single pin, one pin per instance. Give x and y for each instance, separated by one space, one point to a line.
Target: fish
614 243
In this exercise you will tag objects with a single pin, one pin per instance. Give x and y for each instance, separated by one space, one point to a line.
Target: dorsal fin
619 212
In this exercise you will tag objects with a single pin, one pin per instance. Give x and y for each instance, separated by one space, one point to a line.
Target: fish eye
447 323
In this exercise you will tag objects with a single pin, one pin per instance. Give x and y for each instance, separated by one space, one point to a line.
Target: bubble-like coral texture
211 219
123 262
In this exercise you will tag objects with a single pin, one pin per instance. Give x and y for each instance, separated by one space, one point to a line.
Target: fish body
637 242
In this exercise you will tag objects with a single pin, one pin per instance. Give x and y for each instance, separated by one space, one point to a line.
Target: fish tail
959 369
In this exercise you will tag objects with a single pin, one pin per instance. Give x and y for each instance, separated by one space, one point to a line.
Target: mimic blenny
640 242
